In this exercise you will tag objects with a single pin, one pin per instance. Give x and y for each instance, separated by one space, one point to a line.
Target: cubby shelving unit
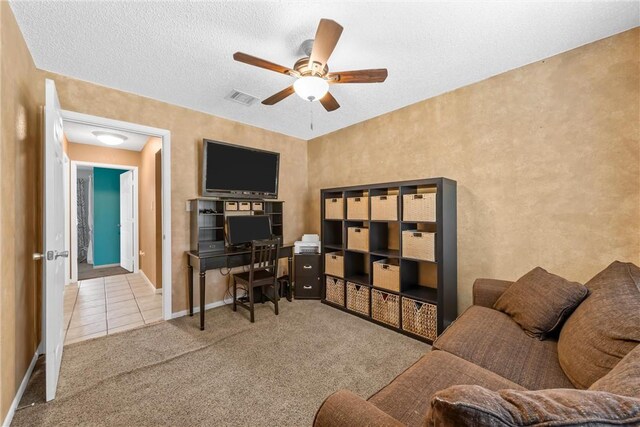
421 281
208 219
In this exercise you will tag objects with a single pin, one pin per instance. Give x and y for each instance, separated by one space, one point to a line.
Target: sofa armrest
345 409
487 291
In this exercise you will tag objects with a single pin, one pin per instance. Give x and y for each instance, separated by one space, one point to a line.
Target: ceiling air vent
241 98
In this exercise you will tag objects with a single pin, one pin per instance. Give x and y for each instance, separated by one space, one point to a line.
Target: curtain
84 231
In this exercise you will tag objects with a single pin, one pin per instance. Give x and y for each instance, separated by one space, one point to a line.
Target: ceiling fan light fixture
110 138
311 88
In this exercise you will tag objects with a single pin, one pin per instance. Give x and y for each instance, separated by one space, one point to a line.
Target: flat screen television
243 229
239 172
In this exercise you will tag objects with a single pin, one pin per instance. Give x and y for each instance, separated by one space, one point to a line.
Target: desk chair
263 272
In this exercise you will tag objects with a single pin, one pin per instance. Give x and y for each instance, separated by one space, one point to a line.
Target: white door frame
67 216
165 136
74 212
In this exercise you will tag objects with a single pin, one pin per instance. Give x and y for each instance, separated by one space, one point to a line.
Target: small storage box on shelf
385 307
384 208
334 208
358 298
420 318
358 208
358 239
418 244
334 264
419 207
334 289
257 206
231 206
386 274
244 206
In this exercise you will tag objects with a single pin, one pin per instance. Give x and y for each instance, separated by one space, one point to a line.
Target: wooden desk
228 258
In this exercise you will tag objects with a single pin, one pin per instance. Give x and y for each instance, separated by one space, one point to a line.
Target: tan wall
106 155
187 128
21 94
148 209
547 160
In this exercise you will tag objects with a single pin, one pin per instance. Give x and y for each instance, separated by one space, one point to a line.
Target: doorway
104 225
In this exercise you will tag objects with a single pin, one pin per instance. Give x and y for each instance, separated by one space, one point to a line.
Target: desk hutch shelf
409 228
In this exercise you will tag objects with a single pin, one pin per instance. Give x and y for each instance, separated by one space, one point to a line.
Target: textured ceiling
180 52
83 134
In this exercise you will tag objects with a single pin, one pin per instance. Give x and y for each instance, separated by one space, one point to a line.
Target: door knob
53 255
37 257
63 254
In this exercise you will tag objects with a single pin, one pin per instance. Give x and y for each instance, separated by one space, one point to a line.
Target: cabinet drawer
307 265
308 288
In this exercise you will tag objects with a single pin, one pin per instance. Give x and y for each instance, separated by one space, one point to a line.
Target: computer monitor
243 229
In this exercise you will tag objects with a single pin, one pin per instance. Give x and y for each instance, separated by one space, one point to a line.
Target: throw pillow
624 378
472 405
540 301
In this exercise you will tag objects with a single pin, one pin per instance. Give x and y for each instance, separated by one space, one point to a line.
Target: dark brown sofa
486 347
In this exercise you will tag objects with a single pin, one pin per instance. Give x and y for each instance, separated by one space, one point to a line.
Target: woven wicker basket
231 206
419 245
384 208
385 307
334 208
419 207
358 298
386 274
257 206
334 290
420 318
244 206
358 207
334 264
358 238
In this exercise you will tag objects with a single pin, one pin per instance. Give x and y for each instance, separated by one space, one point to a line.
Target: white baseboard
20 392
146 279
98 267
196 309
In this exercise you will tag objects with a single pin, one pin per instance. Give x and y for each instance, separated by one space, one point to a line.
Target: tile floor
105 305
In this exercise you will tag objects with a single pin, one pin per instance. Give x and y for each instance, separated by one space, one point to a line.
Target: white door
126 221
54 238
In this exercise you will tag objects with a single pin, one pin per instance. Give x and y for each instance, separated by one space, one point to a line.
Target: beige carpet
275 372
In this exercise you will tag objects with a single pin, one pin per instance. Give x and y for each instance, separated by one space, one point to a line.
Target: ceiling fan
312 72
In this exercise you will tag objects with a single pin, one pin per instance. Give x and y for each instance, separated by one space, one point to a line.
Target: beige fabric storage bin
385 307
384 208
334 208
244 206
334 290
334 264
420 318
231 206
358 207
419 207
419 245
358 298
257 206
386 274
358 238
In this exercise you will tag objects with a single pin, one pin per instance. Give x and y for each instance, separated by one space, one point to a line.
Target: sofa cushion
407 397
540 301
474 405
604 328
624 378
492 339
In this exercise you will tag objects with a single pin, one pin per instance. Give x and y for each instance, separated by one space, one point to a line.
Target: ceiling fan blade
257 62
327 37
273 99
329 102
359 76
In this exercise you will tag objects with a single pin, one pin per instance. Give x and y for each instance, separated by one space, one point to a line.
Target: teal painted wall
106 216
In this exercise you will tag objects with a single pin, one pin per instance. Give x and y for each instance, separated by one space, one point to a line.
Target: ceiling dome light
311 88
110 138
